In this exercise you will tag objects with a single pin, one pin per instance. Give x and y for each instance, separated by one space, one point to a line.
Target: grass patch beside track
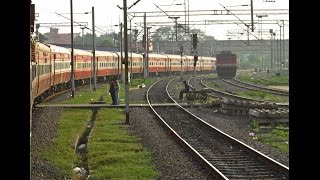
215 85
276 138
112 152
272 80
258 95
85 95
137 81
62 153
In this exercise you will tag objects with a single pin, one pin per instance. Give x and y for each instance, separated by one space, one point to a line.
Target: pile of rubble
270 116
242 107
262 112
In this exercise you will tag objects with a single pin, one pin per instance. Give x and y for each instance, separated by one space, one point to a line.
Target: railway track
255 87
220 94
225 156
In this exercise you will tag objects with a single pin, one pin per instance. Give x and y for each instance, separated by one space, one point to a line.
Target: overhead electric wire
101 31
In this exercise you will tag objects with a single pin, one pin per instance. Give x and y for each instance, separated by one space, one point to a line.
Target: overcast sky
107 15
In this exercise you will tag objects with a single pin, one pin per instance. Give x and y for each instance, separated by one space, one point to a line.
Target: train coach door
169 65
97 67
140 65
54 68
37 71
118 63
50 69
166 62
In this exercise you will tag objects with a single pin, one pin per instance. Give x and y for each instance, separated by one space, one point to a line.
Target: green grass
137 81
279 80
276 138
61 154
215 86
85 95
113 153
254 125
258 95
272 80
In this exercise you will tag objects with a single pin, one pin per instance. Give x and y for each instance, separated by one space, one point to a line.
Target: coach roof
81 52
104 53
58 49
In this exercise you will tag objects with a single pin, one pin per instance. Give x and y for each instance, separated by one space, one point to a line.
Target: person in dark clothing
186 89
112 90
117 90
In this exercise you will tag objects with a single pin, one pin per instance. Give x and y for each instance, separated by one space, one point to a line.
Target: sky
108 16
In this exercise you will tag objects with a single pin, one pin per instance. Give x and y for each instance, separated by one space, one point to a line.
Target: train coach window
40 70
47 69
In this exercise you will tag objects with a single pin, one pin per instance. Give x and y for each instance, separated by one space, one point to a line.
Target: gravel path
44 126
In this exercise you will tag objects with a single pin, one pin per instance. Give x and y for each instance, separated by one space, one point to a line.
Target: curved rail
209 165
217 93
224 161
256 87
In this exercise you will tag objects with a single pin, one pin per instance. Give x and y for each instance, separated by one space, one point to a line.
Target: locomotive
50 67
226 64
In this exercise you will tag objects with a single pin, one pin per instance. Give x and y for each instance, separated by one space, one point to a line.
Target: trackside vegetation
259 95
112 152
277 136
62 151
272 79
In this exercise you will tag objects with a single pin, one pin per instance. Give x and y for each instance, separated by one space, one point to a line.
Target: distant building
53 37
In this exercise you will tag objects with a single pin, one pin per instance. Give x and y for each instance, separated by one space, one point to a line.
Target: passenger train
50 67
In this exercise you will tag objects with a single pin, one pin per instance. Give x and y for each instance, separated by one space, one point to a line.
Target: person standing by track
112 90
185 90
117 90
